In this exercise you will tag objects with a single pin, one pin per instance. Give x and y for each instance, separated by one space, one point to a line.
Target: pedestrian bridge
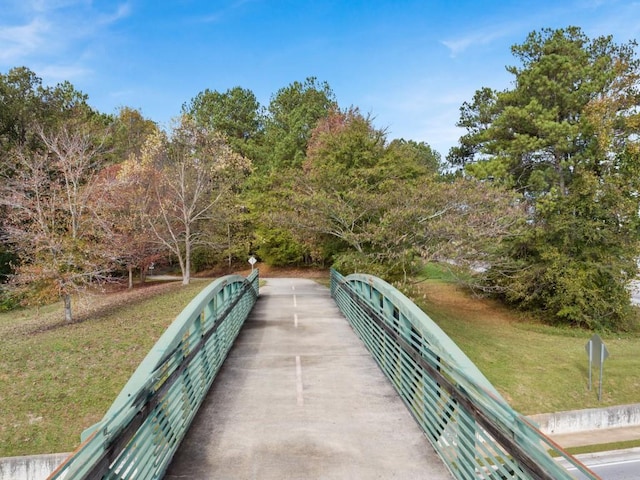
293 380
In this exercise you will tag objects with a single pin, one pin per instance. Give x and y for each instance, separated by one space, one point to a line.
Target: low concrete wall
30 467
588 419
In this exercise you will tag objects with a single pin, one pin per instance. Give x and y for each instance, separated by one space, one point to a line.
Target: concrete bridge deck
299 397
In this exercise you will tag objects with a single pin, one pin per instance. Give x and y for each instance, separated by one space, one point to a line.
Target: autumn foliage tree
187 182
128 199
53 226
379 207
340 193
25 102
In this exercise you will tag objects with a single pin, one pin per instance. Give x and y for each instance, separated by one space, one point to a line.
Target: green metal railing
141 431
474 430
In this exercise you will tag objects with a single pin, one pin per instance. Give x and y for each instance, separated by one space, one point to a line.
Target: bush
278 248
570 291
9 299
203 258
6 258
357 262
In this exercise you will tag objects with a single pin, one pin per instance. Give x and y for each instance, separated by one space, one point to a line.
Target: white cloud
57 33
122 93
212 18
223 12
20 41
516 22
421 110
123 11
480 37
623 20
58 73
43 6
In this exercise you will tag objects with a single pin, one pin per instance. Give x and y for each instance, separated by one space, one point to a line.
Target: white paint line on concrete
295 301
295 319
299 381
606 464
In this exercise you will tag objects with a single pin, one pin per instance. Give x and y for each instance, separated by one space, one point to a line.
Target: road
616 465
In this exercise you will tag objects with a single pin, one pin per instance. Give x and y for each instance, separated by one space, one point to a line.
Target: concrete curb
30 467
612 456
575 421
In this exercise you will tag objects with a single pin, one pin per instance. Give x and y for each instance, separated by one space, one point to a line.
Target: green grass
605 447
438 271
57 379
537 368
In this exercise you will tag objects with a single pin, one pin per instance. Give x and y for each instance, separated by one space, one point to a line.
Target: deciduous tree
127 202
196 173
53 225
379 207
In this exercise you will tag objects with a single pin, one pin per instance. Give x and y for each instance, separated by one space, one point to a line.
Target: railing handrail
172 337
477 433
439 341
174 376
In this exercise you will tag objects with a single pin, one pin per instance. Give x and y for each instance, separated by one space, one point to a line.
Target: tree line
537 205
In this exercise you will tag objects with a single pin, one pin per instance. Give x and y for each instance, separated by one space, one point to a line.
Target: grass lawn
57 379
536 367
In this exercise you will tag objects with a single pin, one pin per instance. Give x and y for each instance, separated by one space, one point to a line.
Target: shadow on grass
92 307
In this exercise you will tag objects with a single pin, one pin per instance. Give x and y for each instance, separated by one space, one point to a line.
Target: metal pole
590 361
601 368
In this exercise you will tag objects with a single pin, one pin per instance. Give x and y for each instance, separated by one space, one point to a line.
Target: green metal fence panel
473 429
139 434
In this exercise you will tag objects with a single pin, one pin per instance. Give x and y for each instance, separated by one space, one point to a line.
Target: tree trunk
130 277
186 268
67 307
186 277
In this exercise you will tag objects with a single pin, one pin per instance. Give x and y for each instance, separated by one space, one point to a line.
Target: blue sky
410 64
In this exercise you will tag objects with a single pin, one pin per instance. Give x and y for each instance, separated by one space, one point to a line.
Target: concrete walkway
597 436
299 397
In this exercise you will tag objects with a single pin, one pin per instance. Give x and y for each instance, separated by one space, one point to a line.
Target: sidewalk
300 397
597 437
